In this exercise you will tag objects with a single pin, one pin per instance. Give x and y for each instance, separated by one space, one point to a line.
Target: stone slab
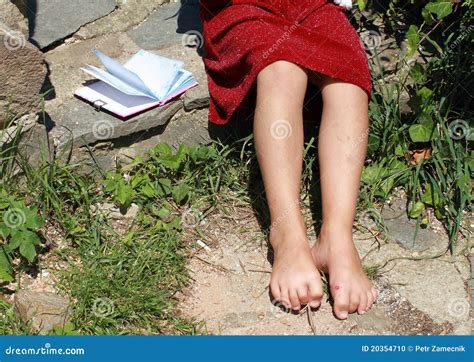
53 20
169 25
79 123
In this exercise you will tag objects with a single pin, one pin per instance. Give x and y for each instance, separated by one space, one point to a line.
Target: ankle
336 227
288 238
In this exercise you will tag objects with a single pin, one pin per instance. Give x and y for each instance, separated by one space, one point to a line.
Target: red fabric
241 37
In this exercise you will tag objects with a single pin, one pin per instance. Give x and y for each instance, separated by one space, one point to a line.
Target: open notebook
146 81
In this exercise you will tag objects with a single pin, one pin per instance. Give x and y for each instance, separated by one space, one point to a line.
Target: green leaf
362 4
148 190
180 193
28 251
124 194
423 132
33 220
417 73
416 210
163 212
372 173
429 197
163 149
441 8
163 187
6 271
413 39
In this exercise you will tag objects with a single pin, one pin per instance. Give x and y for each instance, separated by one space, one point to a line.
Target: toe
375 294
294 300
362 304
354 302
275 290
341 301
315 291
285 298
370 300
303 295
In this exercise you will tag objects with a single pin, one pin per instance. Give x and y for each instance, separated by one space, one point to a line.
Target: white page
124 74
114 82
184 79
158 73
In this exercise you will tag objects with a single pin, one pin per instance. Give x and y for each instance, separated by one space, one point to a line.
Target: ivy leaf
422 132
441 8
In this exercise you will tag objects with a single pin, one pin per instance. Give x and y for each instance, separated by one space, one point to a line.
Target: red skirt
241 37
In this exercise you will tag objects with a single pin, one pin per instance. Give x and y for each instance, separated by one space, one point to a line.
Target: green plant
19 230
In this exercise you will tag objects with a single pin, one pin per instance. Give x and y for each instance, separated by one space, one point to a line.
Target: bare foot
335 254
295 279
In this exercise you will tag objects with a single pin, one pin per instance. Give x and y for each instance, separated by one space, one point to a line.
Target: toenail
343 314
362 312
314 304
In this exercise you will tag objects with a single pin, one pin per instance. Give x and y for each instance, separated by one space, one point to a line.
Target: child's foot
335 254
295 279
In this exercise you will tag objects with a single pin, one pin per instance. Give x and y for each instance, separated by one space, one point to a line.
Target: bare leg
278 132
342 150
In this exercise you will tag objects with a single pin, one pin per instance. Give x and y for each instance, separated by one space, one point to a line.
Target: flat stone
197 97
42 311
79 123
53 20
434 287
12 18
128 14
22 74
173 24
403 230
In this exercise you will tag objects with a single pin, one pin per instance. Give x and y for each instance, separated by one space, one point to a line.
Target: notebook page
122 73
113 81
158 73
185 77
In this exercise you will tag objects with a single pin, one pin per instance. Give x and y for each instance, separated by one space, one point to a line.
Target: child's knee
283 74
